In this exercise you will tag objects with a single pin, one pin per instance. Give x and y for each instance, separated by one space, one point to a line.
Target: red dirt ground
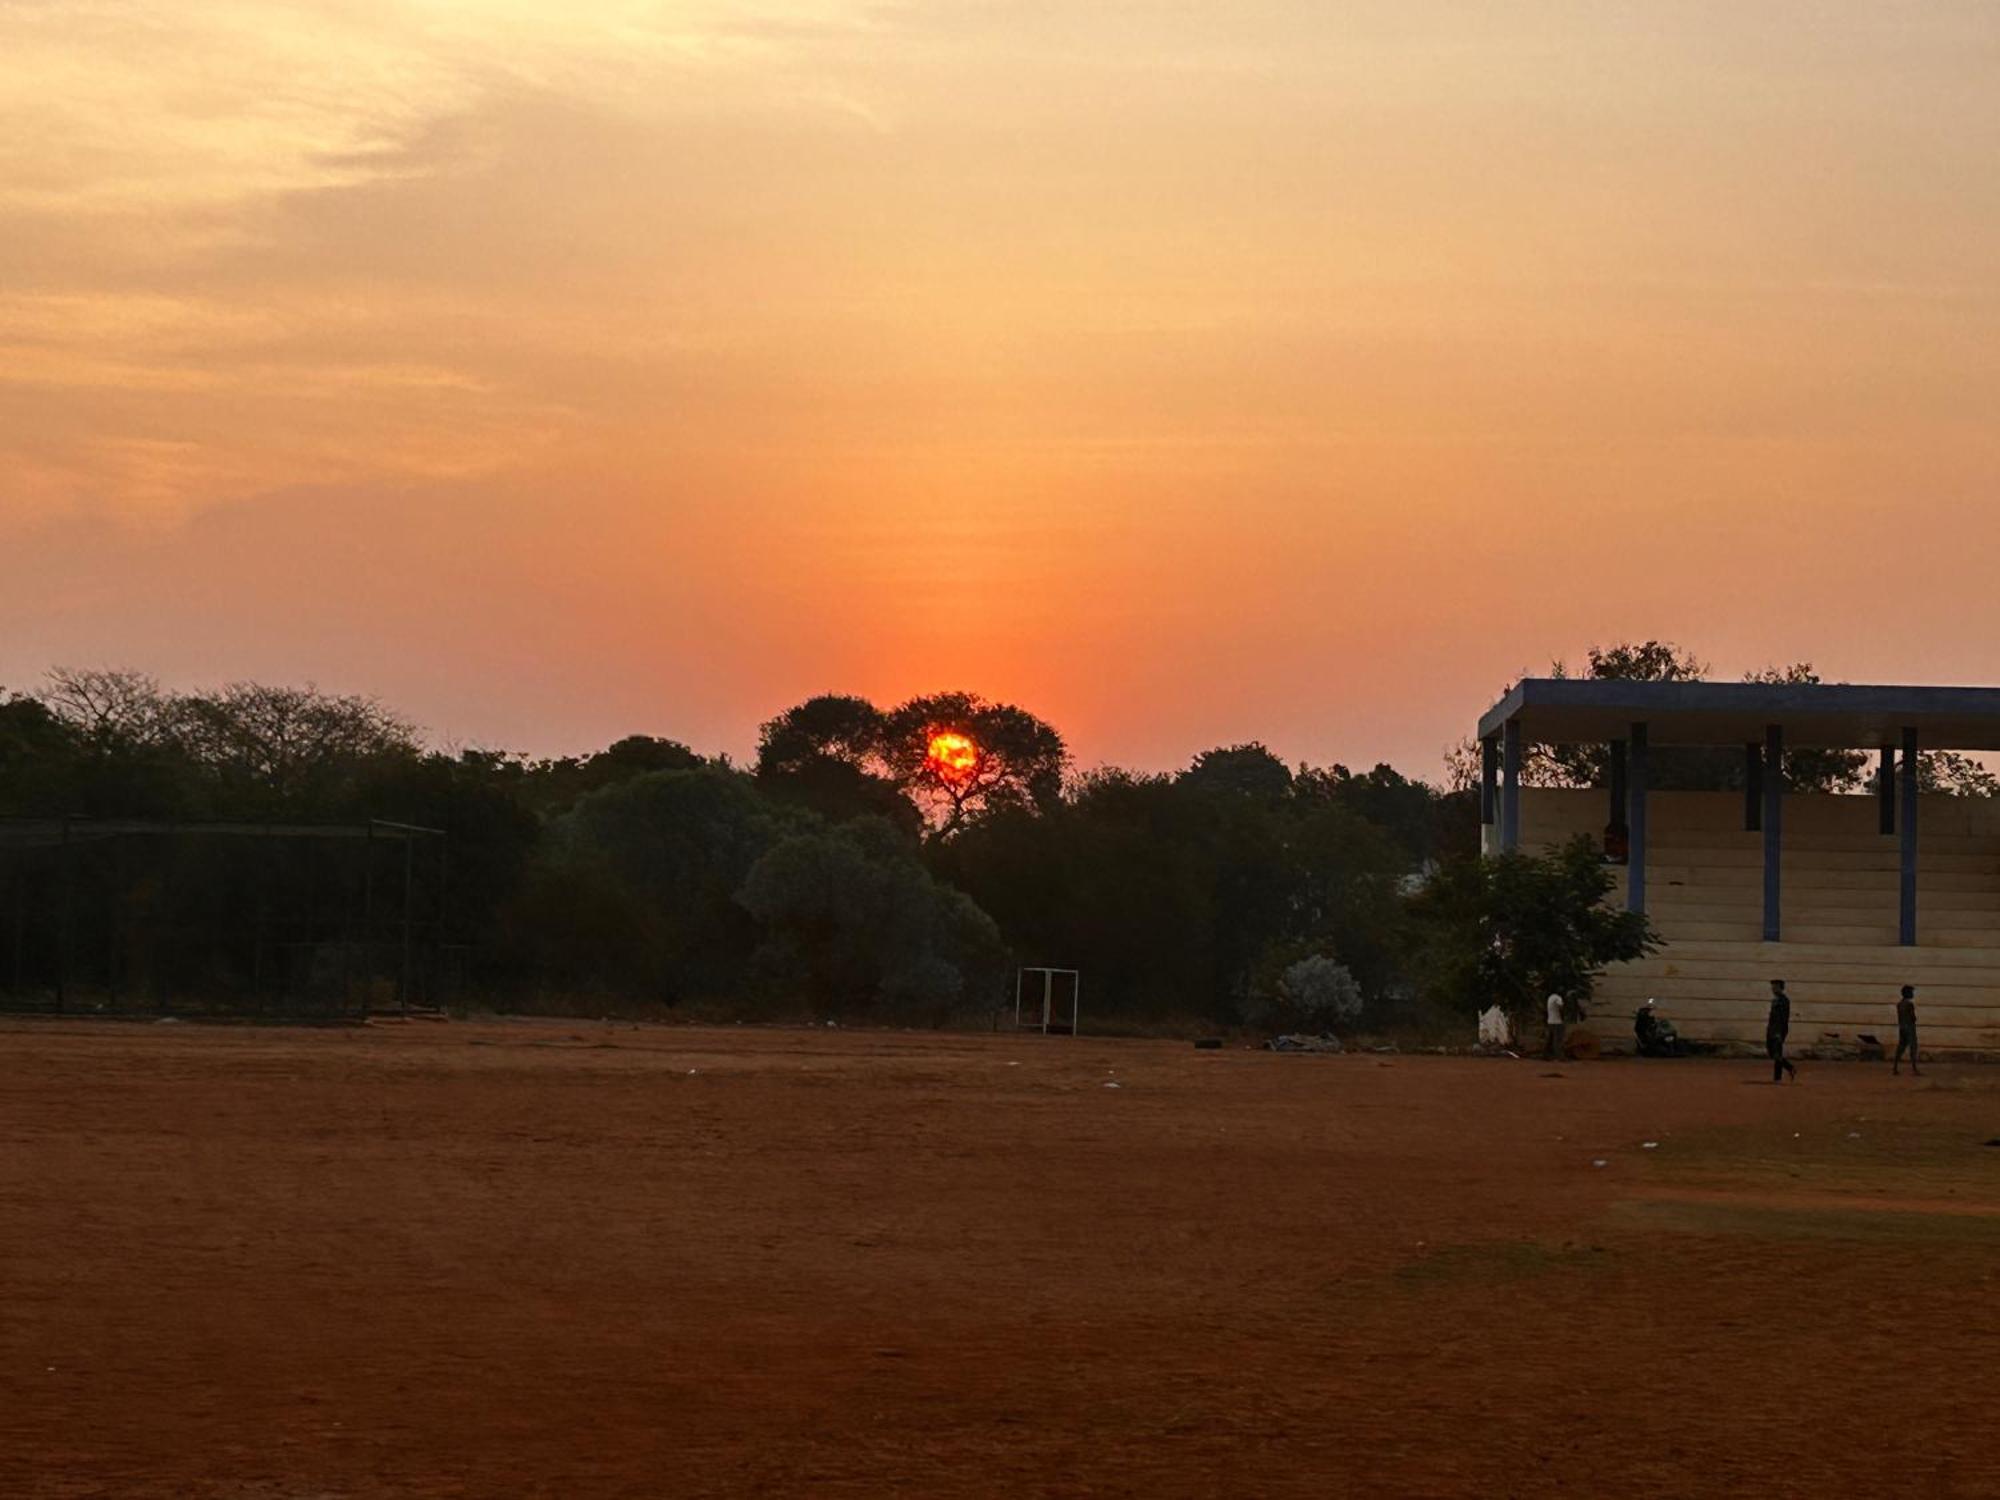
572 1260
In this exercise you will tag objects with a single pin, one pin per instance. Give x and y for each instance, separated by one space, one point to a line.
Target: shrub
1313 993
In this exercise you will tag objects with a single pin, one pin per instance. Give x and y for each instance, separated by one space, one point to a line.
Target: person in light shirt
1555 1025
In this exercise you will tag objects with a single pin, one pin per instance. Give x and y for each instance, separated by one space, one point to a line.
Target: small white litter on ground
1599 1162
1650 1145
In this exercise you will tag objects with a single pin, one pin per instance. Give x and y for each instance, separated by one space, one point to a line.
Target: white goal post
1048 1000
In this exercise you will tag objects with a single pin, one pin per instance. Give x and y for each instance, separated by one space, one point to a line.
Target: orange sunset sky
1188 371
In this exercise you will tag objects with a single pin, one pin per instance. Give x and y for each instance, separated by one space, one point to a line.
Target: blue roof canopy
1575 710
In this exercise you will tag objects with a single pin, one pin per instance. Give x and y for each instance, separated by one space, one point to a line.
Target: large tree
1685 767
825 754
112 712
292 749
1174 893
957 756
1239 770
831 726
661 857
856 926
1509 930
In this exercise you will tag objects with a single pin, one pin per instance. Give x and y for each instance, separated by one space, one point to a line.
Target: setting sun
951 756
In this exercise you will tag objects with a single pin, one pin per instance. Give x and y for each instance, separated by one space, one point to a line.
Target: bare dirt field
574 1260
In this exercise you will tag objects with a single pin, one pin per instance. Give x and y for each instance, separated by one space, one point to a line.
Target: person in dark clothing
1776 1026
1646 1027
1906 1030
1657 1036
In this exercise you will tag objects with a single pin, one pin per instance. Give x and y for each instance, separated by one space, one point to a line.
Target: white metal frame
1023 1001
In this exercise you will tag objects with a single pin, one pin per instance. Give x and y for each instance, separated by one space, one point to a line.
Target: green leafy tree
1171 893
1408 811
667 852
1511 929
855 925
1112 881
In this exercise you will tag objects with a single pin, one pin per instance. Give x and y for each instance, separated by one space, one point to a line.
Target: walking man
1555 1026
1906 1030
1776 1026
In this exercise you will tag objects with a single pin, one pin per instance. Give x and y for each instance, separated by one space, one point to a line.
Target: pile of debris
1326 1041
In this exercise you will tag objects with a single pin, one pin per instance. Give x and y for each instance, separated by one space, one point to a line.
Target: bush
1313 993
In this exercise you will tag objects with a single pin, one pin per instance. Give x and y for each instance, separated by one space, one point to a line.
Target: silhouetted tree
1683 767
294 750
1239 770
832 726
1017 760
826 755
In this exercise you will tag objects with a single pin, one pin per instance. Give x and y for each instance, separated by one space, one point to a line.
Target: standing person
1776 1026
1555 1025
1906 1030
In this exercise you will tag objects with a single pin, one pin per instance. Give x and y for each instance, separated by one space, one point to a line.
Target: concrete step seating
1874 997
1660 876
1838 888
1717 991
1841 896
1795 907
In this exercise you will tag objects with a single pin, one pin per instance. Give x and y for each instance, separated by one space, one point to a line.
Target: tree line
880 863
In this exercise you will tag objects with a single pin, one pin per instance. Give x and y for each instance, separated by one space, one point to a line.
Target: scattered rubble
1296 1041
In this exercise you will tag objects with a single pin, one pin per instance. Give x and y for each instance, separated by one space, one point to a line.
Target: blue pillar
1774 813
1909 799
1618 785
1489 779
1510 786
1635 817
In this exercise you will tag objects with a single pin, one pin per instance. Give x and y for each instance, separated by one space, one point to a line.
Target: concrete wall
1839 957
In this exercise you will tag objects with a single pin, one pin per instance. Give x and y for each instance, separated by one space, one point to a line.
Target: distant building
1845 896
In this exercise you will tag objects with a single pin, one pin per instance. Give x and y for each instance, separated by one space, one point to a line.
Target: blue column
1635 817
1510 786
1489 779
1774 813
1908 780
1618 785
